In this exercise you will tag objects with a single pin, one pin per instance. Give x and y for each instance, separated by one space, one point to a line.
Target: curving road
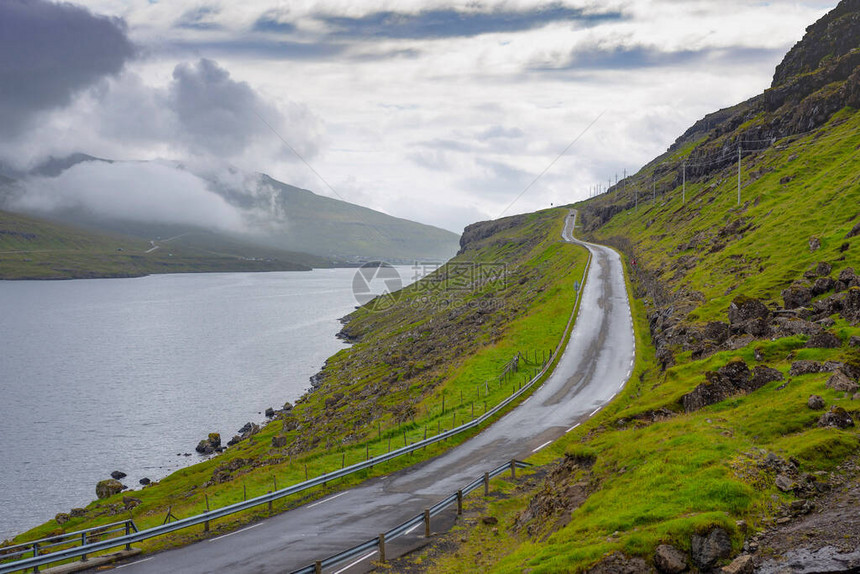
593 368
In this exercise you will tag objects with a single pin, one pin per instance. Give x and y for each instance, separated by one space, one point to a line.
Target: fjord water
124 374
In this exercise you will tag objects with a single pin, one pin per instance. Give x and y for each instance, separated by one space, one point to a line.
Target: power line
552 163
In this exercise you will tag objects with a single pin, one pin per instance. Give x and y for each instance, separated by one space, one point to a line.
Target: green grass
380 381
661 482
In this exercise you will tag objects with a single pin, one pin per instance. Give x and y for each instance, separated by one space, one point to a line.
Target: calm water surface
124 374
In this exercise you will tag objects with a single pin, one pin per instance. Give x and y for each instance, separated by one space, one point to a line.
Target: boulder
840 381
118 474
130 502
744 309
145 481
763 375
279 441
815 402
489 520
203 447
741 565
215 439
618 563
670 560
109 487
78 512
62 518
728 380
799 368
854 232
716 331
822 285
823 340
788 326
836 417
707 550
822 269
847 275
287 406
829 305
235 440
784 483
797 296
270 412
814 244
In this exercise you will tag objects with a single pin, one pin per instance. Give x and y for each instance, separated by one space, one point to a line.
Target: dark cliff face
477 232
829 39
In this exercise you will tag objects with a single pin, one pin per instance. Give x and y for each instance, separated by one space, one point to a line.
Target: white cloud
133 191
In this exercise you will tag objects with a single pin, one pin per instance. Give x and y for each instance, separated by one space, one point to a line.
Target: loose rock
836 417
670 560
840 381
109 487
118 474
707 550
740 565
62 518
799 368
815 402
145 481
823 340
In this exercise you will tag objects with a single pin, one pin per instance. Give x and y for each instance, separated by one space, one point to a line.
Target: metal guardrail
378 544
85 537
66 554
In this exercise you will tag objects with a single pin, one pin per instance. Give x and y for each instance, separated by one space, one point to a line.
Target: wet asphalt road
593 368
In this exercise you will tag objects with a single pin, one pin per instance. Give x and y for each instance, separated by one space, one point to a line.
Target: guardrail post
127 532
382 548
459 503
318 567
270 503
486 483
426 523
36 554
205 524
513 469
83 543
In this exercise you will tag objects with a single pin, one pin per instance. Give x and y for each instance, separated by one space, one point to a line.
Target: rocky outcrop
708 549
836 417
731 379
815 402
670 560
210 444
823 340
618 563
475 233
841 381
108 488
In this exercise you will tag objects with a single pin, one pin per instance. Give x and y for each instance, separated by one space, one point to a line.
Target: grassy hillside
743 311
510 291
332 228
32 248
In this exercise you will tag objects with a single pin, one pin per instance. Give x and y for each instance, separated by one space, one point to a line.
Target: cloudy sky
438 111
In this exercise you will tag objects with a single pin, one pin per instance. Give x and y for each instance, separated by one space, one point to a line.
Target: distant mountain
345 231
277 216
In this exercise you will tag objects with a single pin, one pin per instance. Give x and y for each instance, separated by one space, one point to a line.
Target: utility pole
684 184
739 174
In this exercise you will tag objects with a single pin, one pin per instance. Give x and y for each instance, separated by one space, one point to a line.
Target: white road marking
628 372
344 569
135 562
527 400
411 529
613 395
543 445
237 532
594 412
323 501
571 428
